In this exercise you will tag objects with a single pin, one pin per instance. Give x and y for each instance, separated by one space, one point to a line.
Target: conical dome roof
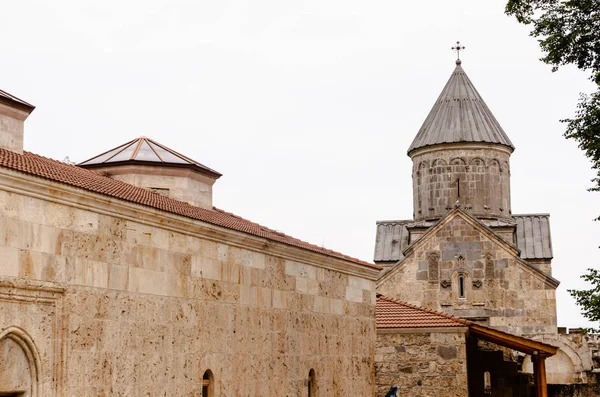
144 150
459 115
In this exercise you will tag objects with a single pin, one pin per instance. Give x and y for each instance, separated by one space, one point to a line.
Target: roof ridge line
183 157
90 180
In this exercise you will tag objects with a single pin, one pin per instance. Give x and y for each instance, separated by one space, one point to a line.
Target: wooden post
539 375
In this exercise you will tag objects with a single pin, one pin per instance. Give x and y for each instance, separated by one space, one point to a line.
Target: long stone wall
136 309
421 363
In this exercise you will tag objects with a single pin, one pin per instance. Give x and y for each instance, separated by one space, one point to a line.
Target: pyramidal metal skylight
143 150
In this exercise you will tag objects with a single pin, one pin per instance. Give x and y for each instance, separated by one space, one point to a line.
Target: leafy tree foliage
589 300
569 33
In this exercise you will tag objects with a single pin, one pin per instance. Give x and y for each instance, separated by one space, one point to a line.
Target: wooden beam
539 375
514 342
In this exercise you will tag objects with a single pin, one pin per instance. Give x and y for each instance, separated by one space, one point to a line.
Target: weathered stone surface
447 352
477 177
422 364
11 127
148 309
513 296
581 390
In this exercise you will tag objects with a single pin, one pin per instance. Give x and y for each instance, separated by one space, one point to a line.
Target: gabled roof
144 150
95 182
13 100
532 231
394 314
481 227
460 115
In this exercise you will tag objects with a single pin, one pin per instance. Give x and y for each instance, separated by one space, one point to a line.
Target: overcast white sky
306 107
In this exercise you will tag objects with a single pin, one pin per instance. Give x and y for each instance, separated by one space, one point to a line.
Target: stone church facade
465 253
125 281
118 277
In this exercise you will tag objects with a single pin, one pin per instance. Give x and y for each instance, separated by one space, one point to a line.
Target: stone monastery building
118 277
466 254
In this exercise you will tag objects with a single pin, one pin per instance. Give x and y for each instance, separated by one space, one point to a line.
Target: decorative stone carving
477 283
494 164
460 261
29 310
489 266
477 161
446 283
433 260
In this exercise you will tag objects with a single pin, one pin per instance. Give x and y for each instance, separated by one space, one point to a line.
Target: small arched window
487 383
461 286
312 387
207 384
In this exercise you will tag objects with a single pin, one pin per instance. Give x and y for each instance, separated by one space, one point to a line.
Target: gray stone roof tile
532 235
391 240
459 115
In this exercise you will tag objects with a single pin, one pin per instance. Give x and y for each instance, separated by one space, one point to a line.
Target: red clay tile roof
86 179
391 313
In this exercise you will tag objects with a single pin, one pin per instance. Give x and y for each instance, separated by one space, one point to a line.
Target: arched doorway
19 369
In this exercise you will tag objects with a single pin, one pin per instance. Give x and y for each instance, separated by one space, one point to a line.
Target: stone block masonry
476 176
498 288
421 363
146 302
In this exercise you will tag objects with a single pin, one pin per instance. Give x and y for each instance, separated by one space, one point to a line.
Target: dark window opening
487 383
461 286
160 190
207 384
311 383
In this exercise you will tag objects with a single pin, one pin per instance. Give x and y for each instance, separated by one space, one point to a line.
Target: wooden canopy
539 351
514 342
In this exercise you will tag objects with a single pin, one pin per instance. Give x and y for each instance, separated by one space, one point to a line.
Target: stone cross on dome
457 48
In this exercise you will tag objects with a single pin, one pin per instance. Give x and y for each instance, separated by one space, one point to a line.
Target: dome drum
474 176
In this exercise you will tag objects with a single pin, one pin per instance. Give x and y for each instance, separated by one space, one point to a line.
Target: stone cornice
51 287
47 190
460 146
